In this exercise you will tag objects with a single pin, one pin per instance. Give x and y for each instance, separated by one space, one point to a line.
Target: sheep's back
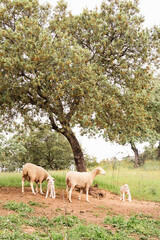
79 179
35 172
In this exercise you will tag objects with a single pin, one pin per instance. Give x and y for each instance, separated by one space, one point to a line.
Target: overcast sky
150 9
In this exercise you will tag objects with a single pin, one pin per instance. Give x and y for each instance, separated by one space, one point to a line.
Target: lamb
34 173
81 180
125 190
50 187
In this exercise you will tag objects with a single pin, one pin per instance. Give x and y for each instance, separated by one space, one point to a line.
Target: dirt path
94 211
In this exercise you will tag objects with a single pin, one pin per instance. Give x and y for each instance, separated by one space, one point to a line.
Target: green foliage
94 69
153 108
48 149
90 161
91 232
122 111
68 221
18 207
12 152
55 72
149 153
35 204
43 147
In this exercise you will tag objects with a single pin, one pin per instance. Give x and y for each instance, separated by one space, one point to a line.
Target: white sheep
50 187
125 190
34 173
81 180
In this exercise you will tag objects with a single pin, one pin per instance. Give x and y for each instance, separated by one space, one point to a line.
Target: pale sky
98 148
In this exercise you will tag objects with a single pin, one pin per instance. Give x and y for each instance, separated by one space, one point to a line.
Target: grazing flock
37 174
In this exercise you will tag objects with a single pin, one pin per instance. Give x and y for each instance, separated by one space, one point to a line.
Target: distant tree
90 161
151 132
12 153
48 149
154 110
91 70
44 147
150 153
2 153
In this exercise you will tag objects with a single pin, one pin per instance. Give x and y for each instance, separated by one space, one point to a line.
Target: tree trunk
136 154
158 154
77 152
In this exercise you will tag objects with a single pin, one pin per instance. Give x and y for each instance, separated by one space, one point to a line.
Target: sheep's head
100 171
50 179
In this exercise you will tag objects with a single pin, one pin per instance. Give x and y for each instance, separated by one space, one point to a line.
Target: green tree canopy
154 110
42 147
93 69
48 149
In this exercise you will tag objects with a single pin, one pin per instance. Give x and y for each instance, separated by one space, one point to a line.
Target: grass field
70 227
144 182
17 226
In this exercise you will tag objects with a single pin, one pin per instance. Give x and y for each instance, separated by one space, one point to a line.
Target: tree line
52 151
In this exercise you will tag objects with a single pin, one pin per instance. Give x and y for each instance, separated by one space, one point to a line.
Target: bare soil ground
93 212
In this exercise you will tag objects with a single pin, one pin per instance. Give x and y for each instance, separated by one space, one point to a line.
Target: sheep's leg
70 193
54 193
129 197
67 192
23 179
31 183
80 194
47 193
123 196
36 187
40 183
51 194
87 188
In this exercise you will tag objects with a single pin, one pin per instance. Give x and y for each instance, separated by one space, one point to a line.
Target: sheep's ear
47 178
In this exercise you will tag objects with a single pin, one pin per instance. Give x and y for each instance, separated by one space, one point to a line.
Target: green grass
144 185
10 179
18 207
60 178
14 179
36 204
143 182
139 225
71 227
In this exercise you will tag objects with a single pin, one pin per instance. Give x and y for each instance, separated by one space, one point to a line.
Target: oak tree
91 70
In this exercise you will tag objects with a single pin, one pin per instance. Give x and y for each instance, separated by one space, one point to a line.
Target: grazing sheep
125 190
34 173
50 187
81 180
